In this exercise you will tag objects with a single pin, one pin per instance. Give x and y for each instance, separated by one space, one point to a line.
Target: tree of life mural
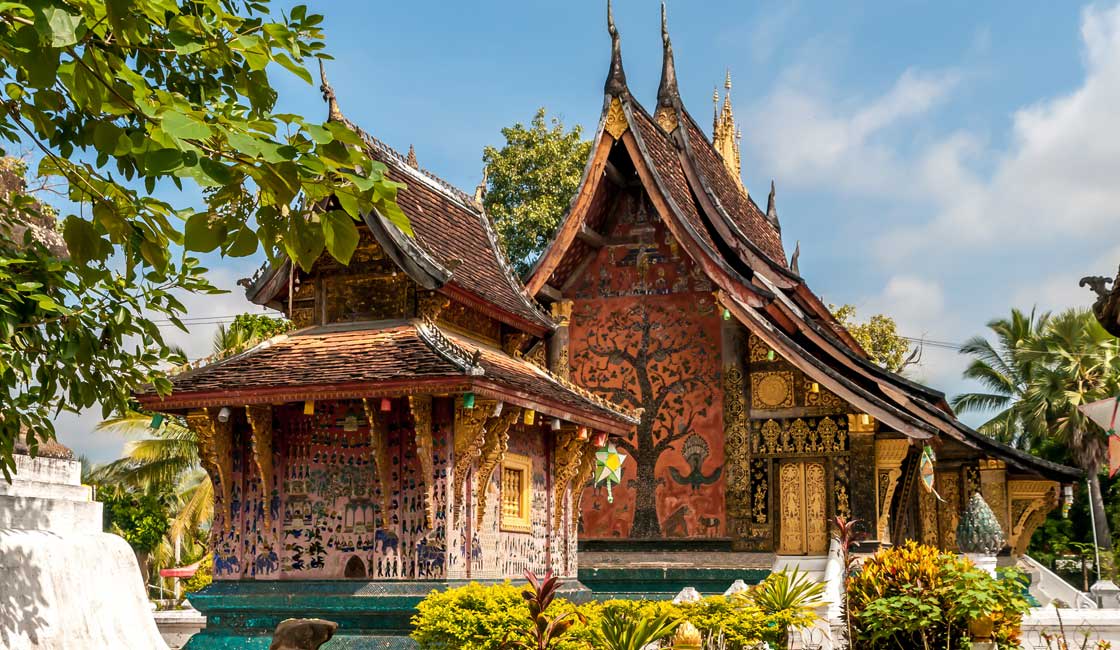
651 356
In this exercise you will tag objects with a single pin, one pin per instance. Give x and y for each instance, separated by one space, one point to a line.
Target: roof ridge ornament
480 189
668 95
772 210
334 113
793 259
616 78
725 135
412 157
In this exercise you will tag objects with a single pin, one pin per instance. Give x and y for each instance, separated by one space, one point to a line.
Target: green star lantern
608 468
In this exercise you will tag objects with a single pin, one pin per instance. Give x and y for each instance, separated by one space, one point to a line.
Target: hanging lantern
599 439
223 414
468 400
1067 500
498 408
157 421
556 424
608 468
530 416
726 314
770 355
584 433
386 405
309 407
927 472
814 387
865 420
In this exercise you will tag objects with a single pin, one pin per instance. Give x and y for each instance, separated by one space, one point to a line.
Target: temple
761 417
406 436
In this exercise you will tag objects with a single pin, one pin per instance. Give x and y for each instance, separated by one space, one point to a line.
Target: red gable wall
645 332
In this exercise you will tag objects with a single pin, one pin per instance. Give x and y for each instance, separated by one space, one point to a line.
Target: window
517 486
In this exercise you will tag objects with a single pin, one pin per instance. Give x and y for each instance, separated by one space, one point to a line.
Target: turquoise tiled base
241 615
607 583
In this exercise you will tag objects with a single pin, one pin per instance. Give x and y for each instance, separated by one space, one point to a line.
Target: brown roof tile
739 207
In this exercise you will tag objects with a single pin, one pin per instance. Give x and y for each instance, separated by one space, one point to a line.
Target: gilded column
558 344
861 441
736 430
993 487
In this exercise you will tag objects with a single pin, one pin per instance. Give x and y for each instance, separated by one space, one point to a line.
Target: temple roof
455 248
739 248
385 358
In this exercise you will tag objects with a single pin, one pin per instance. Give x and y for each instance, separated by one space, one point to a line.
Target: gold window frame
521 523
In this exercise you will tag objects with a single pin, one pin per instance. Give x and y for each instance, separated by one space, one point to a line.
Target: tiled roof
667 165
739 207
452 229
372 353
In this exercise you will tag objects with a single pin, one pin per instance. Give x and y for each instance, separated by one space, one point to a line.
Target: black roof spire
772 210
668 95
616 78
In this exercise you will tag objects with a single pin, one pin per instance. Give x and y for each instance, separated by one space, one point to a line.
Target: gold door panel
804 509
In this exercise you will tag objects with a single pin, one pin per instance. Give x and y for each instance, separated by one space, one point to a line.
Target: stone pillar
736 428
861 440
558 345
889 455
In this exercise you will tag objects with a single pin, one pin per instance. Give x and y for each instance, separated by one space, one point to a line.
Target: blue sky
938 162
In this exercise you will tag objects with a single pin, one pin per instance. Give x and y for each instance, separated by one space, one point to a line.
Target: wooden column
993 487
861 441
558 345
736 429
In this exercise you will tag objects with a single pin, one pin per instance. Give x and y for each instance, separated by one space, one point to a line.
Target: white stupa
64 583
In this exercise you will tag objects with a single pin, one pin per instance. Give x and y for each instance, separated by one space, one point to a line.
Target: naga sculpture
1107 306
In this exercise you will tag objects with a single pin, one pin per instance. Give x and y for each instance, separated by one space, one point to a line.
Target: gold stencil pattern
772 389
800 436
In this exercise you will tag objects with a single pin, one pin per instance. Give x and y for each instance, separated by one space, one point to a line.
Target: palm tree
1075 362
1005 371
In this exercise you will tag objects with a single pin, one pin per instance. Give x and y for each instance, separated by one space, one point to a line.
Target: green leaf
339 234
63 26
221 174
178 125
244 243
82 240
293 67
203 233
162 161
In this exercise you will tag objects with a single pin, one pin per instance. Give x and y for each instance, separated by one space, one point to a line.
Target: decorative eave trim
711 261
451 351
406 253
267 282
821 372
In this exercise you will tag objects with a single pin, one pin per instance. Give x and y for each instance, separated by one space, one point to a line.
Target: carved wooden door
804 510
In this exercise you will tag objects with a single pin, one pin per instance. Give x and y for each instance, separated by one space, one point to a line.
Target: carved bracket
379 441
469 436
1030 502
215 452
494 449
421 407
889 455
260 439
569 458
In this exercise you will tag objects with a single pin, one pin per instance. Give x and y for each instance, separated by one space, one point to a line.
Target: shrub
474 617
915 596
201 578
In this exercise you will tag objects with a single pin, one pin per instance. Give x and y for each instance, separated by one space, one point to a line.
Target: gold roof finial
725 134
334 113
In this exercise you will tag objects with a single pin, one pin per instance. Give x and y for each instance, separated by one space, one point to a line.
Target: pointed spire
412 157
668 96
480 191
725 134
772 210
616 78
795 257
334 113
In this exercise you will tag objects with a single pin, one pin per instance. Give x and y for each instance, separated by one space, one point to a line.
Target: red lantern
584 433
600 439
386 405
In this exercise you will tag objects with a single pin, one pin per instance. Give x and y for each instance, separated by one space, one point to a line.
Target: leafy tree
119 98
1005 370
1076 362
248 329
879 337
140 518
531 180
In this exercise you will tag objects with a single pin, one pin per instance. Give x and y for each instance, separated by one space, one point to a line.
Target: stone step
44 490
54 515
814 565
